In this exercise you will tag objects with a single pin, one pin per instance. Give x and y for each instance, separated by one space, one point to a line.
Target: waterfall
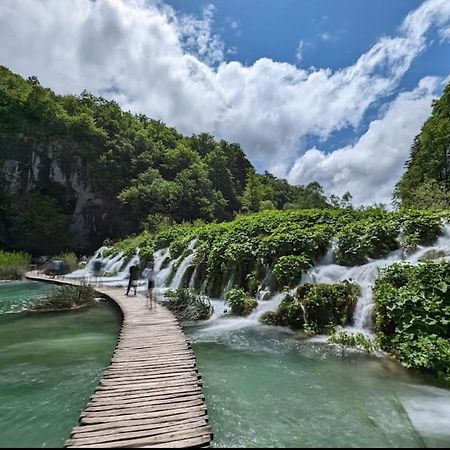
115 269
326 272
185 264
159 257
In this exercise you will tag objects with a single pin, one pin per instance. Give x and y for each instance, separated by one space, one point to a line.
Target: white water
176 281
366 274
326 271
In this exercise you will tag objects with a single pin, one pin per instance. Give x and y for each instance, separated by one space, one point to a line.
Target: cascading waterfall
185 264
326 271
365 275
115 269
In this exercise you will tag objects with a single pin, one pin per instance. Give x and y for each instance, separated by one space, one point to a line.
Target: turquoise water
267 388
16 296
50 364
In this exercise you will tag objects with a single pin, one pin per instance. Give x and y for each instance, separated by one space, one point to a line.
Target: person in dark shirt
134 278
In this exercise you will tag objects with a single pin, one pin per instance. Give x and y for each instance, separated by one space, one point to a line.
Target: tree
253 193
42 227
429 164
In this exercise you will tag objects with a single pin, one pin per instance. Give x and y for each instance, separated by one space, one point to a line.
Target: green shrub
187 305
328 304
420 229
412 314
241 304
366 239
317 308
290 313
356 340
289 269
67 297
13 265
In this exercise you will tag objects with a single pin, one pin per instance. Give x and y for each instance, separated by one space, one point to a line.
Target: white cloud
371 167
172 68
300 50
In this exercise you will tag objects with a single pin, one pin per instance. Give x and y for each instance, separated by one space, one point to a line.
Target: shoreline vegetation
13 265
67 298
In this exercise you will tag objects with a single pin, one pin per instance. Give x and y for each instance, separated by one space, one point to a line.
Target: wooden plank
92 406
152 440
150 415
149 430
149 396
157 421
127 409
184 443
147 393
150 375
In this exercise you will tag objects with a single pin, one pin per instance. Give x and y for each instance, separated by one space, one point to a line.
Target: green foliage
289 269
187 305
286 242
356 340
426 181
67 297
241 304
412 315
317 308
375 237
13 265
42 227
420 229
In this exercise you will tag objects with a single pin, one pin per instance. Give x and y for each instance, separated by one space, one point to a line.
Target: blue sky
337 31
332 91
334 34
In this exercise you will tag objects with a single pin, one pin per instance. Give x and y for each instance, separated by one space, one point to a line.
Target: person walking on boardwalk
150 275
134 278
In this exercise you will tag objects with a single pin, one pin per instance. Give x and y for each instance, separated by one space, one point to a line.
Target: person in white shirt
150 275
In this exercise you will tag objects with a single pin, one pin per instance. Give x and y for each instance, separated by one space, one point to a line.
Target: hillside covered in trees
75 170
426 182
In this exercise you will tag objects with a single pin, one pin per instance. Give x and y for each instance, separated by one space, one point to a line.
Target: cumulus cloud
172 67
371 167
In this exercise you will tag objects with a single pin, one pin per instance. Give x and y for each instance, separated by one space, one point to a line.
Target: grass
66 298
13 265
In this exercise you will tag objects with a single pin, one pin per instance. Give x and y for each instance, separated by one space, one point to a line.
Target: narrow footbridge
151 394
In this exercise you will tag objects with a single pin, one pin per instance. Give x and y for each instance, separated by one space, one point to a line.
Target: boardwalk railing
151 394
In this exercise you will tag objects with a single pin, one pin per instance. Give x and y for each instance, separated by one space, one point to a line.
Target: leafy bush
328 304
357 340
241 304
187 305
412 314
13 265
420 229
67 297
317 307
288 269
366 239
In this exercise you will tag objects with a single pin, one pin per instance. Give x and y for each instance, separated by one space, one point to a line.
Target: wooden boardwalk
151 394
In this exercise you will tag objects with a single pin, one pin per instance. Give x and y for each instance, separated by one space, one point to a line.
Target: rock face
40 169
